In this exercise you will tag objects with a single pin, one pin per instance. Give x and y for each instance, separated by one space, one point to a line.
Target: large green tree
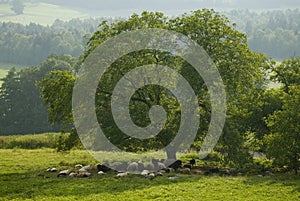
22 109
239 67
283 142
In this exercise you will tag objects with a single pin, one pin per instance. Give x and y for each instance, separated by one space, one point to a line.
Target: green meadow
41 13
23 176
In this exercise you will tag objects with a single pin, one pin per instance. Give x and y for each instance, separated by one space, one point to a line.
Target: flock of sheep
147 170
121 169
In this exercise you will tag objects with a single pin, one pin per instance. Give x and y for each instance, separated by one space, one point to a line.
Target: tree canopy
22 109
240 68
282 143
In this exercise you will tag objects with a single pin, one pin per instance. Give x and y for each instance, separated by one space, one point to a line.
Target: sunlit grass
22 176
46 140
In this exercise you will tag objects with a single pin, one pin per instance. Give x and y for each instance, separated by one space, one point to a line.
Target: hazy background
171 7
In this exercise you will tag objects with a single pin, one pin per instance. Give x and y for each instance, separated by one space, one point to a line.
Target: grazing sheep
88 167
150 176
145 172
119 166
84 174
103 168
159 174
115 165
166 170
63 173
52 170
154 161
82 170
133 167
73 174
78 166
122 174
100 173
192 162
150 167
158 165
140 166
177 164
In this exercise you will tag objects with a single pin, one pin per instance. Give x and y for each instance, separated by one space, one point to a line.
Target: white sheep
122 174
133 167
145 172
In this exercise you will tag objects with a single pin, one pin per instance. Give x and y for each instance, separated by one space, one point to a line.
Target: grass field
23 177
41 13
46 140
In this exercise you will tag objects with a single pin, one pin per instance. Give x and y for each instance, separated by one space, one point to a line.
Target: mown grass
22 177
41 13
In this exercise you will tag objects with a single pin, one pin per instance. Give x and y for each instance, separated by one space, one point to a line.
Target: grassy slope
41 13
20 180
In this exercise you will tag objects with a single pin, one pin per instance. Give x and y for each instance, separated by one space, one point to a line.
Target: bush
67 142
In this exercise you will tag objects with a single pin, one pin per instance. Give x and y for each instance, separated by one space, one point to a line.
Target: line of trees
276 33
32 44
22 109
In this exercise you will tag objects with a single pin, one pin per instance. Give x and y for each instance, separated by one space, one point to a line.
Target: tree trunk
171 154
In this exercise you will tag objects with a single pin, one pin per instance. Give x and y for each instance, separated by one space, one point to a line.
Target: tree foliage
18 43
22 109
287 73
275 33
267 32
239 67
283 143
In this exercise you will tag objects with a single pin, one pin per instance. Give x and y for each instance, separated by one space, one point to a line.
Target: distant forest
31 44
275 33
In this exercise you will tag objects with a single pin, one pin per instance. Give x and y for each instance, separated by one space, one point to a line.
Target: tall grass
34 141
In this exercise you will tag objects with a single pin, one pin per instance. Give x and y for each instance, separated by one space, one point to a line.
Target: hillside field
40 13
